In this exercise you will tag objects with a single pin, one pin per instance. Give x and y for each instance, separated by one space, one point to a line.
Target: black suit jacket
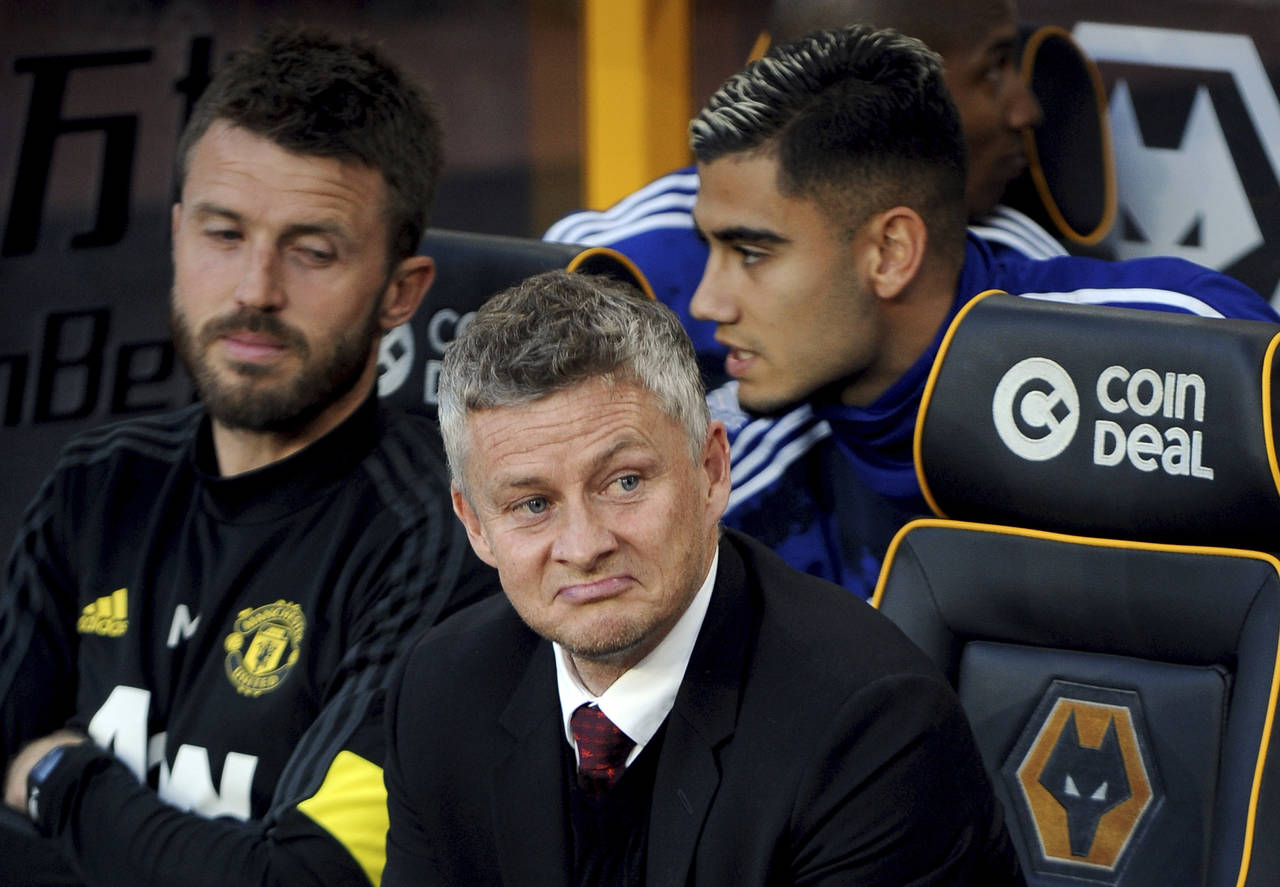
810 743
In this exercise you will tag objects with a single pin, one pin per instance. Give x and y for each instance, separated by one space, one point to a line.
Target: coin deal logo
1036 409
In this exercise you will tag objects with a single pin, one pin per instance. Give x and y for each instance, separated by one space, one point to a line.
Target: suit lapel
701 721
529 808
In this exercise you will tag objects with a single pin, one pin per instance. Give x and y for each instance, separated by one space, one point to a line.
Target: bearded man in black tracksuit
201 608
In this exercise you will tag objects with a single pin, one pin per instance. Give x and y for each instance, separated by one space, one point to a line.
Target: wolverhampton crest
1083 779
263 646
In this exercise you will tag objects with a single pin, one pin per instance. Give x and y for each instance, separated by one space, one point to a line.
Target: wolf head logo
1087 782
1083 781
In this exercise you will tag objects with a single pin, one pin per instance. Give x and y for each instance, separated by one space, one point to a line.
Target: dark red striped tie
602 749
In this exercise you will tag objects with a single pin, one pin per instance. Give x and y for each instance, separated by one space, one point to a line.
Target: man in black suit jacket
773 729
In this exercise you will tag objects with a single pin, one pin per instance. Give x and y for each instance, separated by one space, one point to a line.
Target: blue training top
826 485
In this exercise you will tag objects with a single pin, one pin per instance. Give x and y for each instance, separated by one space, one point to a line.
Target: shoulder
402 510
406 463
764 449
821 634
164 437
485 645
1005 228
130 454
1155 284
666 202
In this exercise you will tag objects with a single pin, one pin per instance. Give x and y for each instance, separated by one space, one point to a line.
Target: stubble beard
622 642
253 403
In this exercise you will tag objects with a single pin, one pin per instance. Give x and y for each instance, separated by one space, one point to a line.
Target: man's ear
409 283
715 461
475 531
897 238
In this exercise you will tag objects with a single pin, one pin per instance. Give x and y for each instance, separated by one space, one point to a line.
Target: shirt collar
642 697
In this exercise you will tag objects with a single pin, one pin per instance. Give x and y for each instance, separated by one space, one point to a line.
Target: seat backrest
1100 589
470 268
1069 185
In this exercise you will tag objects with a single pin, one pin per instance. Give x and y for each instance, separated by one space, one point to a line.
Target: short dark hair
315 94
860 120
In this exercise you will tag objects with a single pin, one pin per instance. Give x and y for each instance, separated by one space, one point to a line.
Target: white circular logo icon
1036 409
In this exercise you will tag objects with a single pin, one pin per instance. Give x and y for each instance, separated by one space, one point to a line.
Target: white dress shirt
642 696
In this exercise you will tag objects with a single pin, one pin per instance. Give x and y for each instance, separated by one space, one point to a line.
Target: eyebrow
1006 44
532 480
743 233
298 229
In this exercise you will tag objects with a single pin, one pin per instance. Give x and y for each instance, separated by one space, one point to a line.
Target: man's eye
227 235
536 505
1001 67
629 482
315 255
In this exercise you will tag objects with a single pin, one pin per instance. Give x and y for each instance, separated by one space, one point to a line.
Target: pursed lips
595 590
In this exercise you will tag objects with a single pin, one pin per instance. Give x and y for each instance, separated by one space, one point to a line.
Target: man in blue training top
833 199
978 42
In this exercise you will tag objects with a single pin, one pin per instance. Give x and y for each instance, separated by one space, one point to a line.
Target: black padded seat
1122 687
470 268
1069 185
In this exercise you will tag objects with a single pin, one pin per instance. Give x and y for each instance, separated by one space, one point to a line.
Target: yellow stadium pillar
637 93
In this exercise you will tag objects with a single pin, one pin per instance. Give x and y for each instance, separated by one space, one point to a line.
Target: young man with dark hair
201 608
653 701
978 41
833 199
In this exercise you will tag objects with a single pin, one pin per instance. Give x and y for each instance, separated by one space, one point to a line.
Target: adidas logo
107 616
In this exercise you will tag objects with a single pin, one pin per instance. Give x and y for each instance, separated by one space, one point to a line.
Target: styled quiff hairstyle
323 96
554 331
860 121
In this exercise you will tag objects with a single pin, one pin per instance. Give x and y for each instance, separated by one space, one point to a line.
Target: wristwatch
36 779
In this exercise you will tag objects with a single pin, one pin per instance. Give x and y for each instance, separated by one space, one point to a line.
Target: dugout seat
1069 185
470 268
1098 584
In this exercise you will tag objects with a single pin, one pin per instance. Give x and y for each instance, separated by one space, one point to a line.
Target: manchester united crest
264 646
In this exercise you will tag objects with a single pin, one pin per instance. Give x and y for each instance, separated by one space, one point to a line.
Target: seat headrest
1104 421
1069 185
470 268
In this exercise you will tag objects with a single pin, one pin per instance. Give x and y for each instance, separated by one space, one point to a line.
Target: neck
597 673
240 450
910 322
595 676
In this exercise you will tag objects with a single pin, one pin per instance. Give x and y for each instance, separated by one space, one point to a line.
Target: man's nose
1022 110
712 300
260 285
584 538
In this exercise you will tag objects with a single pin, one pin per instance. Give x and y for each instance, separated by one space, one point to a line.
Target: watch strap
57 774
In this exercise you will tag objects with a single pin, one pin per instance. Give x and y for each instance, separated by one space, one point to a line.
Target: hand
15 783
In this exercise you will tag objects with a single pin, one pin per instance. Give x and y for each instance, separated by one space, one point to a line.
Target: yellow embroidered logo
107 616
264 646
1083 780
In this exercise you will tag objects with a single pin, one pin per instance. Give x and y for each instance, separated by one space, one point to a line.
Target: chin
768 403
